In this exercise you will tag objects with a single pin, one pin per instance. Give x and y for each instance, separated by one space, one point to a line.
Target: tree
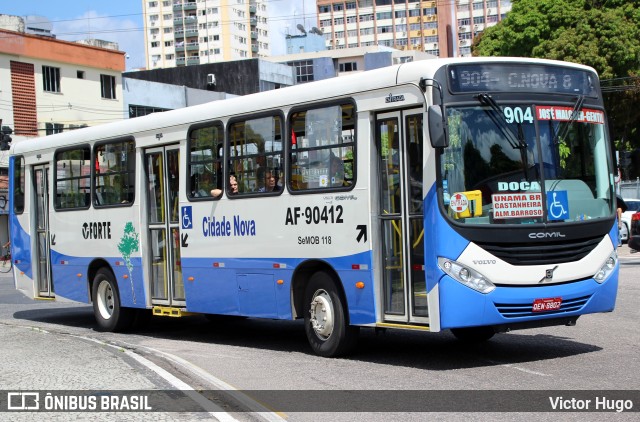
602 34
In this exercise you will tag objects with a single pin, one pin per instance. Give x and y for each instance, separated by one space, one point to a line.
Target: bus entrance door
163 211
43 241
399 142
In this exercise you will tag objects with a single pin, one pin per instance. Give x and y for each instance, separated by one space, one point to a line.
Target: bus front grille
542 253
517 310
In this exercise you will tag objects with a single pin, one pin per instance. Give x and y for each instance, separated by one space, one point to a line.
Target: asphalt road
599 353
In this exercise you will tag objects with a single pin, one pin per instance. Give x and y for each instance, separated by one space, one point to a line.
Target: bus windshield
526 163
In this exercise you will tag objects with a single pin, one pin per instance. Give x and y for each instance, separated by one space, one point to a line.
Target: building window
478 20
53 128
108 86
72 178
304 70
348 67
80 74
138 110
51 78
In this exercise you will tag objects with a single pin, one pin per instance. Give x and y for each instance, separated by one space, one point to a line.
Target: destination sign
505 77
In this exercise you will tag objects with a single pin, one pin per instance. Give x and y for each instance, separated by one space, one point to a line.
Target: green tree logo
129 244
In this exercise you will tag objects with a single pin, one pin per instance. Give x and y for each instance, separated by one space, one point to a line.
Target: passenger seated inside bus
271 182
233 184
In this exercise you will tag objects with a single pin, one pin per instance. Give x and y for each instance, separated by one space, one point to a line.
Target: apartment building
443 28
472 17
49 86
191 32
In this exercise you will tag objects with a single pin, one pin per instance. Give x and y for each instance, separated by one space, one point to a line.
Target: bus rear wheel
109 315
473 334
325 318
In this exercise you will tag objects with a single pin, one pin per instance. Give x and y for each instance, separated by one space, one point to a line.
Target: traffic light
5 139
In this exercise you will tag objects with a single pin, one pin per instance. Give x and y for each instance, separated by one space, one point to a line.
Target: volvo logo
484 261
546 235
548 274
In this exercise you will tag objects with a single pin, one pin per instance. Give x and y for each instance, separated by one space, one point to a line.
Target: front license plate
548 304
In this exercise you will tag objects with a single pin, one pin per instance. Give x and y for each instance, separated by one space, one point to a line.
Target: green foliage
603 34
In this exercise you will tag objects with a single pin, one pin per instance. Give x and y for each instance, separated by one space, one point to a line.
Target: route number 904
518 114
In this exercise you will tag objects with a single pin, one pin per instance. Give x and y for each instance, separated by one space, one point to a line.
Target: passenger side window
205 162
255 155
323 148
18 185
72 187
115 164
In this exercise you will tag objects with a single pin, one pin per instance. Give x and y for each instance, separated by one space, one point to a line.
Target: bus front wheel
109 315
473 334
325 318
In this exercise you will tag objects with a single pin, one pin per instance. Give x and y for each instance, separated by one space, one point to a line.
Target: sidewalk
46 370
625 252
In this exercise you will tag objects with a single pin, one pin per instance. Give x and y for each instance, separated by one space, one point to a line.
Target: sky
121 21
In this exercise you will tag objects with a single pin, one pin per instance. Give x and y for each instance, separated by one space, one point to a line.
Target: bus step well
168 311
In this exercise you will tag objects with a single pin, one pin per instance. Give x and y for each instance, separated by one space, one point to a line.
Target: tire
473 334
325 318
5 265
109 315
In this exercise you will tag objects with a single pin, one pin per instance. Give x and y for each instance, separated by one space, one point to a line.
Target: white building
190 32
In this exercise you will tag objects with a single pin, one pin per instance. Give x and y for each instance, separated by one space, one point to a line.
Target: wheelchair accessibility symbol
558 205
187 220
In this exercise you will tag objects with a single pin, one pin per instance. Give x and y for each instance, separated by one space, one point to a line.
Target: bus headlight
606 268
467 276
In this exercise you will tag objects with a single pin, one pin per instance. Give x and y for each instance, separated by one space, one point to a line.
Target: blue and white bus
473 195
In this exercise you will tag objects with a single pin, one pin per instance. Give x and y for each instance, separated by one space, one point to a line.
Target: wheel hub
105 300
322 318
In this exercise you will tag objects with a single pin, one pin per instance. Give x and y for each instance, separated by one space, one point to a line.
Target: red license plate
548 304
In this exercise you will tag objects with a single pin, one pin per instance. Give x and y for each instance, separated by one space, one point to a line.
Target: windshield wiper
573 117
515 140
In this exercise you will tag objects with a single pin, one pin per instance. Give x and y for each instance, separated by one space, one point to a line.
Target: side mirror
438 131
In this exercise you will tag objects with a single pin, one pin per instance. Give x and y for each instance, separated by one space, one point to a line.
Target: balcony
253 9
179 61
187 5
254 48
254 35
193 60
191 31
192 46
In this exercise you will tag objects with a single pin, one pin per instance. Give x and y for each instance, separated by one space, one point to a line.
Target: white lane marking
213 409
509 365
266 413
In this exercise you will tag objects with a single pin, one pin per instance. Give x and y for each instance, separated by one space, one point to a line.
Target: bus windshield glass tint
526 163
